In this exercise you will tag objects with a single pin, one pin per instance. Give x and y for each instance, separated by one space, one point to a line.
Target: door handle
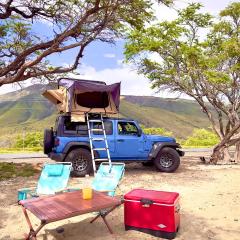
120 140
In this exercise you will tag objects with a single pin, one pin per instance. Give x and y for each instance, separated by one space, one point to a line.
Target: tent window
92 99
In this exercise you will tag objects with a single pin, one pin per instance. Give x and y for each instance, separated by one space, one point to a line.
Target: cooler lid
155 196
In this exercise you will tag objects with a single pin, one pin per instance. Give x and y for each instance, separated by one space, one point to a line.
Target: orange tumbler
87 193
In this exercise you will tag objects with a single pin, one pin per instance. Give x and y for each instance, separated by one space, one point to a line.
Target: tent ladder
91 124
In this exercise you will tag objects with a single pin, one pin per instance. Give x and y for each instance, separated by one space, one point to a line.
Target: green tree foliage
176 56
72 24
202 137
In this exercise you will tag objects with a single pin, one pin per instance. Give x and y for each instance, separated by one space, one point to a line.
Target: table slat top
65 205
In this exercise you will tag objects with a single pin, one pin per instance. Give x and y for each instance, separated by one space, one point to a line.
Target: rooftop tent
57 97
80 96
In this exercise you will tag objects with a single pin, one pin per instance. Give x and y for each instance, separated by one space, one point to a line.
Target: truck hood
158 138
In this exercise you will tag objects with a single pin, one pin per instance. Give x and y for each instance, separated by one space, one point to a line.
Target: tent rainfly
78 97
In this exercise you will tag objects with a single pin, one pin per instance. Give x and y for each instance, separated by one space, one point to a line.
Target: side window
127 128
107 125
74 128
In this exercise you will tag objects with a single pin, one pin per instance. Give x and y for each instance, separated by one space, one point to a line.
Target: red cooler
153 212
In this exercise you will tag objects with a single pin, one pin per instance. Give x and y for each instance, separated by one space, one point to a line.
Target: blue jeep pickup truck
69 141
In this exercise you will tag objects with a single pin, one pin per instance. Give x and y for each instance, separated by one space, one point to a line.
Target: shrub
30 140
157 131
202 137
11 170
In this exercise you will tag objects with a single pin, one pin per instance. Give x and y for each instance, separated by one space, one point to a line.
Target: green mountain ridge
27 109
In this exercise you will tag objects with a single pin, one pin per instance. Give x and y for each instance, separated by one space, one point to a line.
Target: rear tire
167 160
81 162
48 141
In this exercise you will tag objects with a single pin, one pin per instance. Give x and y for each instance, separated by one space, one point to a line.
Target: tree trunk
220 155
237 153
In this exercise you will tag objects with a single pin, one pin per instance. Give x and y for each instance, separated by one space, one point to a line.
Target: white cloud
131 82
109 55
120 62
11 87
165 13
8 88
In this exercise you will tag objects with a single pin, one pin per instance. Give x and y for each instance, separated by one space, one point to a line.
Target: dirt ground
210 204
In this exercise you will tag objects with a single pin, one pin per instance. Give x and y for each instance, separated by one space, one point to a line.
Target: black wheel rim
166 160
80 164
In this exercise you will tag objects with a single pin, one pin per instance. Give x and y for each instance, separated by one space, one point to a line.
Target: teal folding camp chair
54 178
107 180
108 177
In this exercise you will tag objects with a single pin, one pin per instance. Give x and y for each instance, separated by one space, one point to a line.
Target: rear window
75 128
107 125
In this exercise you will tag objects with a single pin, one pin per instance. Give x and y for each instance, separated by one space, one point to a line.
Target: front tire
81 162
167 160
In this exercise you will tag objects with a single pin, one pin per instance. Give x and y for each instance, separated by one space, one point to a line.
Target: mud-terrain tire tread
175 160
77 153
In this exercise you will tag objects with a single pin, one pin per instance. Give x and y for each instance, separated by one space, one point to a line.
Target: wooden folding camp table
65 205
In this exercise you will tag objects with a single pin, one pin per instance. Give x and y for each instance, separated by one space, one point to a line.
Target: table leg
105 221
103 215
32 233
94 219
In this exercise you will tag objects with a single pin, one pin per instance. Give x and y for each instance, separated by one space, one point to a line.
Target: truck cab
69 141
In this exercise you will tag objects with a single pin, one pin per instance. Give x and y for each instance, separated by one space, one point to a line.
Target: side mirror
139 132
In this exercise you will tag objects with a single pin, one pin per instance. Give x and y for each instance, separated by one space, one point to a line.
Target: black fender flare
78 145
156 148
75 144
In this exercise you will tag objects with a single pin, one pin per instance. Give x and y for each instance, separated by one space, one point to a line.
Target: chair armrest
72 189
27 189
107 191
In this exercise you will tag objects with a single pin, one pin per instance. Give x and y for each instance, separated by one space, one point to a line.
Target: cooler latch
146 202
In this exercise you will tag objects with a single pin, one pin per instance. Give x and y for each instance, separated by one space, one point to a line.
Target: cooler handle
177 208
146 202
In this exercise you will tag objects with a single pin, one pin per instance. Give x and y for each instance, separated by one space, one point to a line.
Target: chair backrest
54 177
108 177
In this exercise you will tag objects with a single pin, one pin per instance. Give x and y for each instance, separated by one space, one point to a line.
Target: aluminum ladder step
95 120
97 129
97 139
101 159
100 149
92 139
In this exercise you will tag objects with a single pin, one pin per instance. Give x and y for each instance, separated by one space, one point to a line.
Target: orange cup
87 193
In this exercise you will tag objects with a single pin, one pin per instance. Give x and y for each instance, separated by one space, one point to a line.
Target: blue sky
103 61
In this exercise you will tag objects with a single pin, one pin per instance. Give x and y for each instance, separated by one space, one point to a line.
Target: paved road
24 157
21 155
40 157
